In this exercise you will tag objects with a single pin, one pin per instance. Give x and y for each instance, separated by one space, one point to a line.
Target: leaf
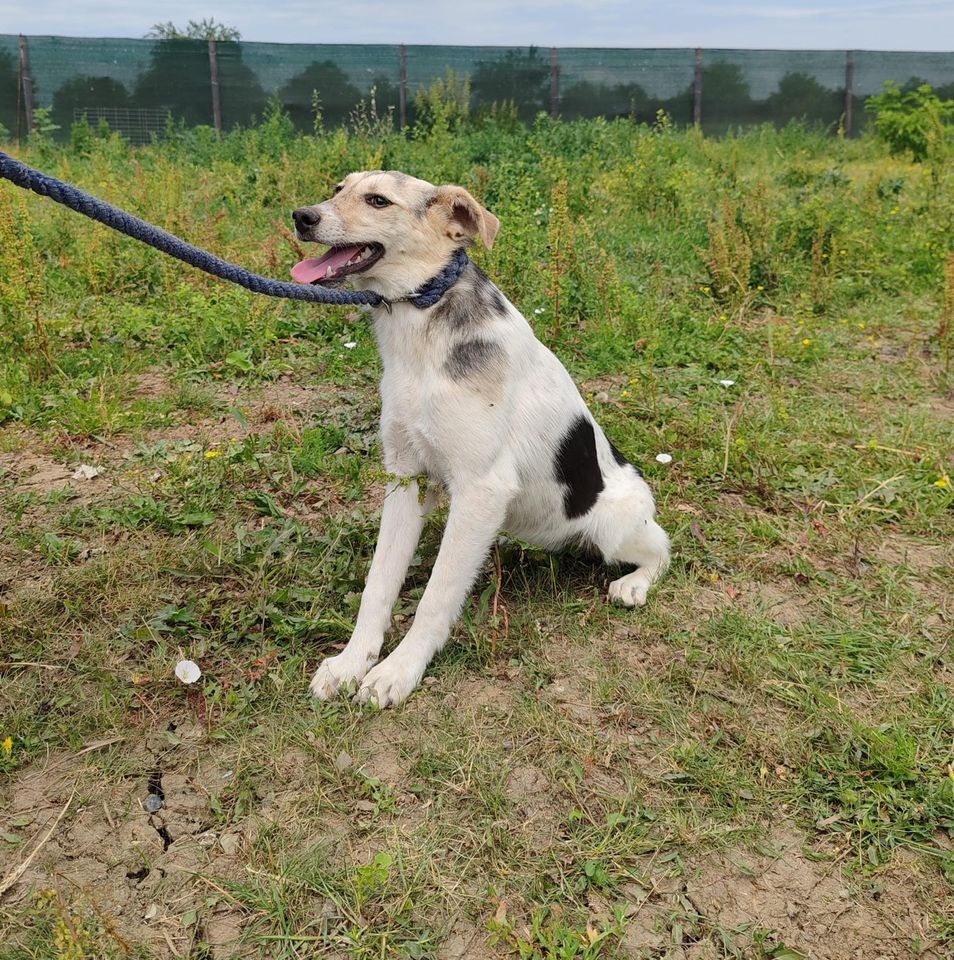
243 422
197 518
265 505
781 952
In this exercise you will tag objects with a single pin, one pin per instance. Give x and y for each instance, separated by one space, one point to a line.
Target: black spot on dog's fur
471 301
472 357
578 469
497 302
490 295
460 307
620 459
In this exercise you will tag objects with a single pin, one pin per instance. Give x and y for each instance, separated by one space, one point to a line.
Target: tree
725 95
8 92
336 94
523 78
80 94
801 96
587 99
206 29
178 81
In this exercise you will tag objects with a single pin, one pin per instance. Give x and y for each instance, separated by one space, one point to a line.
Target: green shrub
914 120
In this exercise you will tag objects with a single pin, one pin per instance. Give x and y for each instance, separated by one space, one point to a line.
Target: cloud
823 24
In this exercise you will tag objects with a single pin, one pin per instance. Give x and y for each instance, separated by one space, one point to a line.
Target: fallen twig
14 875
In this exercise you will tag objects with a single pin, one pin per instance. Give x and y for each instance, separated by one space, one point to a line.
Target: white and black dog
472 401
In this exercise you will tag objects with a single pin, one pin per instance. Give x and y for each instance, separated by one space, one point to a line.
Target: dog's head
388 231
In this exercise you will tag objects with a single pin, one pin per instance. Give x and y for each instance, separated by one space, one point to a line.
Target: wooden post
216 92
697 90
402 86
26 83
849 90
554 84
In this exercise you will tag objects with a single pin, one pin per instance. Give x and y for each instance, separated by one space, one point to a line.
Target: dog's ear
466 218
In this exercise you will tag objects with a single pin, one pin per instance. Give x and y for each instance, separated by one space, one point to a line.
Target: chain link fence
135 86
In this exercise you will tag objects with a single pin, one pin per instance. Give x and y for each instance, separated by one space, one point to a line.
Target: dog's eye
339 188
376 200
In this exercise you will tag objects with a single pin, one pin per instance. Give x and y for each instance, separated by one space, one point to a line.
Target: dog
474 403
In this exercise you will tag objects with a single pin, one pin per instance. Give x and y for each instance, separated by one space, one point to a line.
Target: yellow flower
943 482
210 454
861 326
806 341
760 287
8 746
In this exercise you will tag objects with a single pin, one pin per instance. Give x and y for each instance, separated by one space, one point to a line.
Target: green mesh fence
137 85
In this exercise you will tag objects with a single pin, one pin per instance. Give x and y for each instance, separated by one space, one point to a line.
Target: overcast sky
825 24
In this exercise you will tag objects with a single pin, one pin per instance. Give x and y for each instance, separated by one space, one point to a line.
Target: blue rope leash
96 209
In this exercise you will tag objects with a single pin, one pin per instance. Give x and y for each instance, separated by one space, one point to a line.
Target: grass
572 781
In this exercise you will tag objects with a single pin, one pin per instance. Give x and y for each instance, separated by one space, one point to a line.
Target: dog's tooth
328 272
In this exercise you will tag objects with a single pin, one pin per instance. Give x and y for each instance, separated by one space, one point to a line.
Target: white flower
539 310
350 345
188 671
663 458
727 383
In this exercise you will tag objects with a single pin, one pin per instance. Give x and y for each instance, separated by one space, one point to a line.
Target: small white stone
350 345
86 471
188 671
663 458
727 383
230 843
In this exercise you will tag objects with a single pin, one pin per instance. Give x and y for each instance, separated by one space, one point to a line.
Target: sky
822 25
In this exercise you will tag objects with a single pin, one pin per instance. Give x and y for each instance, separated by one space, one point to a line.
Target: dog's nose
305 218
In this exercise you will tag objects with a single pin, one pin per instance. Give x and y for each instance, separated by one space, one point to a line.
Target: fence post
26 83
402 86
554 84
216 93
697 90
849 90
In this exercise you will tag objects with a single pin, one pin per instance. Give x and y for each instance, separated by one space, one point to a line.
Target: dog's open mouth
338 263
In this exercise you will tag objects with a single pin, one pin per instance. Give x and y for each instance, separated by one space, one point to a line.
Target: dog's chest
416 397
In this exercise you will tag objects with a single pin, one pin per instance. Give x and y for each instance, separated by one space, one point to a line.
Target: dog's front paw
335 673
630 591
390 682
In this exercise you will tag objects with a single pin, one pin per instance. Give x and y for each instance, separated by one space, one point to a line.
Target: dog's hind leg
624 529
402 520
648 547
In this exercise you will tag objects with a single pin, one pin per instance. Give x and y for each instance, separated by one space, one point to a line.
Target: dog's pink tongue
316 271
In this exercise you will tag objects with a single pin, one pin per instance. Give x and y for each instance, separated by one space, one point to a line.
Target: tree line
177 82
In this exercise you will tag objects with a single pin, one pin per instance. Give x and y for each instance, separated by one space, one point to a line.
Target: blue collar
431 291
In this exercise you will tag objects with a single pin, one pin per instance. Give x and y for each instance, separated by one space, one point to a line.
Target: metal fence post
849 90
26 83
697 90
554 84
216 92
402 86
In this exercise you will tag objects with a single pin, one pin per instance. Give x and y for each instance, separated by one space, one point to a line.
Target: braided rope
96 209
